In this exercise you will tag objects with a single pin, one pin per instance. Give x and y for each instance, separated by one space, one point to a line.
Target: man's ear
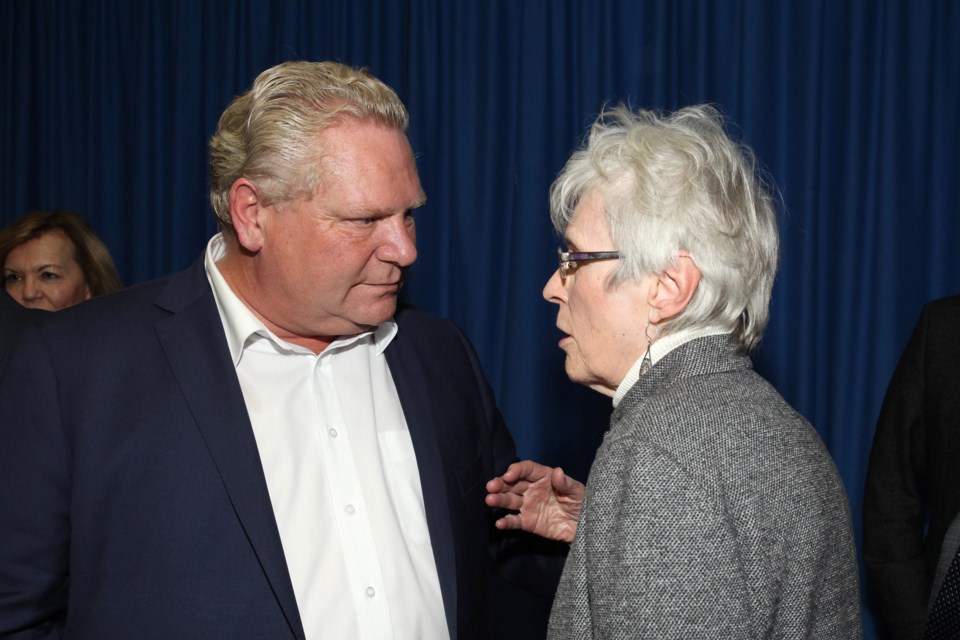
246 209
673 289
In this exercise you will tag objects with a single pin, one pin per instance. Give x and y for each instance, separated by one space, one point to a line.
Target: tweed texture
713 510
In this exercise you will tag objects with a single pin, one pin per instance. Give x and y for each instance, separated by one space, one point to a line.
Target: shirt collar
658 350
240 324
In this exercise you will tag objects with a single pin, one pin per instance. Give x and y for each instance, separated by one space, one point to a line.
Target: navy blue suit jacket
13 319
132 499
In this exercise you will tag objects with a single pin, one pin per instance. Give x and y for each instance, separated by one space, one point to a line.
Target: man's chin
384 311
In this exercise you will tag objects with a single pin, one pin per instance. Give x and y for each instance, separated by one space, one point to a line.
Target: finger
508 501
514 472
509 522
562 482
527 469
496 485
559 479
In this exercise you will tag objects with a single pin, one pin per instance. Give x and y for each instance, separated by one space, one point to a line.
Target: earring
647 363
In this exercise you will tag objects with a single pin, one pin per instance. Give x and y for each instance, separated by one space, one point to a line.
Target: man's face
604 326
333 265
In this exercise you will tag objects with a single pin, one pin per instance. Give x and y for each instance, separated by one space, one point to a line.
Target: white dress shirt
342 476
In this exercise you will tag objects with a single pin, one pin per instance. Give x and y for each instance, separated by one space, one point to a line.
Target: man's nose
401 241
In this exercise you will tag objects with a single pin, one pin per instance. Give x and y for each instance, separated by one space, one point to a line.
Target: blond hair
269 134
90 253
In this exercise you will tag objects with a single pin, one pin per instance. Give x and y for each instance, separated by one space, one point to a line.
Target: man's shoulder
407 312
13 320
420 324
943 308
939 331
435 339
131 307
12 315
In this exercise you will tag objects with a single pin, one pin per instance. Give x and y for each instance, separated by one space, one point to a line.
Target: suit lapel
193 340
412 386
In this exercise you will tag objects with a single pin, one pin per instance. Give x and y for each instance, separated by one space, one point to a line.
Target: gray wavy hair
268 135
678 182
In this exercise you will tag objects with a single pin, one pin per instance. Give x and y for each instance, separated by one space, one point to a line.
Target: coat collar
413 387
193 340
701 356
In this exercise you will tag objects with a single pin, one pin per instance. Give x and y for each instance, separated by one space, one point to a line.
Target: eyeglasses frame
569 260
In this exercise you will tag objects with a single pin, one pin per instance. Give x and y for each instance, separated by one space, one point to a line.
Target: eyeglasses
570 261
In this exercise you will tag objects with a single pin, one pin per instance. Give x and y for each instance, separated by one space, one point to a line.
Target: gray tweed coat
713 510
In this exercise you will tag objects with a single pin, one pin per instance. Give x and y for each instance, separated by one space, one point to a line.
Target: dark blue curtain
107 105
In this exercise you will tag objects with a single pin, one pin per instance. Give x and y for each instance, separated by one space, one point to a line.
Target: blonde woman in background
53 260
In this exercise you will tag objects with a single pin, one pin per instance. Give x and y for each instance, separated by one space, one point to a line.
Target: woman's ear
673 289
246 209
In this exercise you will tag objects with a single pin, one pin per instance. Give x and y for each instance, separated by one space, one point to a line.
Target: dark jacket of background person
913 480
695 523
137 494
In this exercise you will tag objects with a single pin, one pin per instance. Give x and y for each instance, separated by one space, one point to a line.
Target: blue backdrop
107 105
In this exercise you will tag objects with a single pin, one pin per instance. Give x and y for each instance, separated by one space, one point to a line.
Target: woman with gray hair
713 509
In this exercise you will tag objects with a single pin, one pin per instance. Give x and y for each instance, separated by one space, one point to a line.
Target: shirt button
351 509
332 432
370 591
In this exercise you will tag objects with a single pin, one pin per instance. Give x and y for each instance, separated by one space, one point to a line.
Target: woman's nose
30 289
554 289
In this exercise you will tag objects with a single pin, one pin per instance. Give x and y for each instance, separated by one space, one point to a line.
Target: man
262 446
912 492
